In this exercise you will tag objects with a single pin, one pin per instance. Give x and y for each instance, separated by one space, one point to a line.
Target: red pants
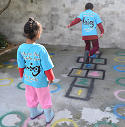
95 45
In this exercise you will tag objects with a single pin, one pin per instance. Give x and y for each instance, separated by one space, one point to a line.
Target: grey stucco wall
54 15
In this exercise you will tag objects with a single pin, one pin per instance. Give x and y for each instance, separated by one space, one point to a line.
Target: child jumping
89 32
35 66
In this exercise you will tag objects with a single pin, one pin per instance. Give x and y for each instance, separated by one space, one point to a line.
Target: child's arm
21 70
75 21
50 75
101 29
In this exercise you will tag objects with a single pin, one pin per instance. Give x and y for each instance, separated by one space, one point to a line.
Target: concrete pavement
91 96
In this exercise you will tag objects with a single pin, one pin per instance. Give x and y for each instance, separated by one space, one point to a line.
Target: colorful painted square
83 82
99 74
77 73
99 61
78 92
81 60
88 66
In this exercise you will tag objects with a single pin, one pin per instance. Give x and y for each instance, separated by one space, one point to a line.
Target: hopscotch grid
90 88
87 73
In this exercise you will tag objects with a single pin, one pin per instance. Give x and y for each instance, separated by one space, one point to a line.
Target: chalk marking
9 66
12 60
7 63
115 112
118 60
97 52
117 53
13 112
79 72
88 66
79 93
98 60
115 67
11 80
50 55
75 125
94 73
116 94
82 81
117 81
109 123
56 89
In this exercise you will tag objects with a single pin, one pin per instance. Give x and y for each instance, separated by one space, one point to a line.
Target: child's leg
32 102
87 46
31 97
95 48
44 97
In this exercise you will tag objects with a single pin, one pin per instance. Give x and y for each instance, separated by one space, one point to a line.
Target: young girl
35 66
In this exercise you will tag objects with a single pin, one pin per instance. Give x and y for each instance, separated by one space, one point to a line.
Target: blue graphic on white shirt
89 22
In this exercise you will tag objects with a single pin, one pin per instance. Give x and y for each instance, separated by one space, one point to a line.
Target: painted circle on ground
115 67
62 120
13 112
97 124
117 53
56 89
117 81
18 86
11 80
116 94
118 58
26 122
115 112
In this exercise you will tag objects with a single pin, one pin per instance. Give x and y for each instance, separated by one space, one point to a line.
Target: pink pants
34 96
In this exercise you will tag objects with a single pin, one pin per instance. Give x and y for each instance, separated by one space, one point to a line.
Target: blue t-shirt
35 60
89 22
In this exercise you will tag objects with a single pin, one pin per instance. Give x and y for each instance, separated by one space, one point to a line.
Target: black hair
31 28
89 6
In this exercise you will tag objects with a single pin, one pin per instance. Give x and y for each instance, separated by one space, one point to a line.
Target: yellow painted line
9 66
118 60
79 93
75 125
1 65
11 80
51 56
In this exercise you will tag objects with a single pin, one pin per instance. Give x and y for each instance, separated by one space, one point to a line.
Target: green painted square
83 82
98 61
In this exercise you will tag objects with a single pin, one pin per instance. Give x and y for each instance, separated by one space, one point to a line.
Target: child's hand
50 81
101 35
68 26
